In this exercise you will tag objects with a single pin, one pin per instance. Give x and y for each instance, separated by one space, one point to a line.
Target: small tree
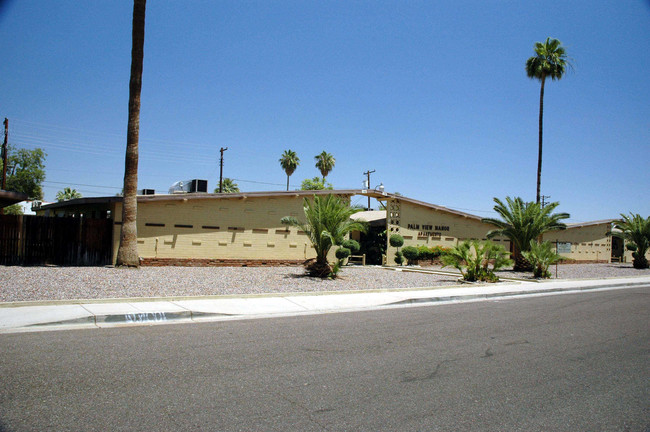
316 184
541 256
636 231
397 241
327 223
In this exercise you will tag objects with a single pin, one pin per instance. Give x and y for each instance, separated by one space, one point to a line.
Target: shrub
396 240
342 253
410 253
473 258
399 258
541 256
425 253
353 245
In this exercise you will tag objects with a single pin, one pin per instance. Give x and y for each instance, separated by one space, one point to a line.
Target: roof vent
189 186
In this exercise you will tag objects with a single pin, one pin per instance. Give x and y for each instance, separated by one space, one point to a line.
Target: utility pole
221 170
544 197
368 174
4 155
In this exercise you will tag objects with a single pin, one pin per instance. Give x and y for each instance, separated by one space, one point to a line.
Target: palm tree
522 222
325 163
67 194
550 60
541 256
289 162
636 230
127 253
327 223
228 185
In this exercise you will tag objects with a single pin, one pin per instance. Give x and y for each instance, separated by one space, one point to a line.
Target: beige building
245 228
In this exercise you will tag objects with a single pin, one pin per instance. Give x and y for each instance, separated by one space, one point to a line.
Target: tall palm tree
289 162
522 222
127 253
325 163
327 223
550 61
636 230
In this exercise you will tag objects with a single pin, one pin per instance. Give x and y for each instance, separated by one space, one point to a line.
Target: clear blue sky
432 95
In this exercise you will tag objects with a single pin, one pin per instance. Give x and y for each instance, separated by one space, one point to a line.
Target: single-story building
245 229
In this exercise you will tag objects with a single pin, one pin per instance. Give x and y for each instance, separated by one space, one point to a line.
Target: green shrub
353 245
342 253
410 253
541 257
396 240
425 253
473 258
399 258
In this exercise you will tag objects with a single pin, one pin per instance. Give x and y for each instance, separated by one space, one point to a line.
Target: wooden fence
38 240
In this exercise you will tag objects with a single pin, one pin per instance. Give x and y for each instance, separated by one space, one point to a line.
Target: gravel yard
68 283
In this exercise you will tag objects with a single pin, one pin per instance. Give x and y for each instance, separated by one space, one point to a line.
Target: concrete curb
194 310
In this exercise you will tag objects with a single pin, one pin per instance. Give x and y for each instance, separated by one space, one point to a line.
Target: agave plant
636 231
327 223
541 256
522 222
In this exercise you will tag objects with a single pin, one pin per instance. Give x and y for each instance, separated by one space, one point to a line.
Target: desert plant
327 223
411 254
541 256
473 259
522 222
636 231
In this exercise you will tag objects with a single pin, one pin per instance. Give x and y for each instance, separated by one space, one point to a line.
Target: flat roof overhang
8 198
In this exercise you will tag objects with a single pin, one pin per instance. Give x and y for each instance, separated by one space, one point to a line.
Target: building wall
588 243
228 229
421 225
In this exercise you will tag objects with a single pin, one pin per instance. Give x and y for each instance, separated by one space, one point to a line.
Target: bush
342 253
425 253
399 258
472 259
541 256
353 245
410 253
396 240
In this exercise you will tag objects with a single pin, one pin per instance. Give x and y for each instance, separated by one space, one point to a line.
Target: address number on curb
145 317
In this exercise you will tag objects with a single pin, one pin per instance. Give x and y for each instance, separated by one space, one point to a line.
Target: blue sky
432 95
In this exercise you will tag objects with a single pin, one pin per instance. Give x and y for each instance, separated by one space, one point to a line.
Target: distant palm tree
325 163
550 61
67 194
229 186
289 162
127 253
523 222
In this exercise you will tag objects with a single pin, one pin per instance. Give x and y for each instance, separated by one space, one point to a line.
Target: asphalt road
556 363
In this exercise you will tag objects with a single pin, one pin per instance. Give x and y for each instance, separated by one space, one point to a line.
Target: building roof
592 223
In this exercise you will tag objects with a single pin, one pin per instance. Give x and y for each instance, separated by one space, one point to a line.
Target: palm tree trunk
127 253
287 182
539 154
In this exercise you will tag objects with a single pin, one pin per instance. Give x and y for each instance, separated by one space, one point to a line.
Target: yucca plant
636 231
541 256
327 223
522 222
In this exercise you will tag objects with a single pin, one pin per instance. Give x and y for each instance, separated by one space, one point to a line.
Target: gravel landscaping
68 283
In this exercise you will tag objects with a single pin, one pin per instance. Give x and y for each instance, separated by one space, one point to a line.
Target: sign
428 230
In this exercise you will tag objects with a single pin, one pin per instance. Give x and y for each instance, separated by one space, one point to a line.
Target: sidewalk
40 316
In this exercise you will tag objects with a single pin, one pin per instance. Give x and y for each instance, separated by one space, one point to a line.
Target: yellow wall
421 225
235 228
588 243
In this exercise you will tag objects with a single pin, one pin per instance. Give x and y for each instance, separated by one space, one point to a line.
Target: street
554 363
